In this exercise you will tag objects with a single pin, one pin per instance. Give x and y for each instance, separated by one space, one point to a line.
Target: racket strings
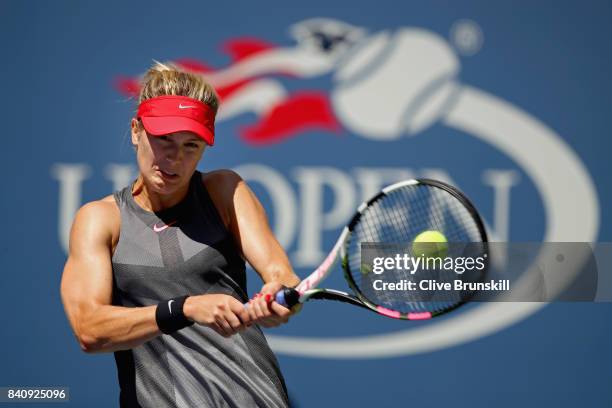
397 218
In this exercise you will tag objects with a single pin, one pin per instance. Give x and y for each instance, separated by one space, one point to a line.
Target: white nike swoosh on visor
185 107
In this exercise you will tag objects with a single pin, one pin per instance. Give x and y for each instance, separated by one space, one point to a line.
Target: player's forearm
113 328
281 273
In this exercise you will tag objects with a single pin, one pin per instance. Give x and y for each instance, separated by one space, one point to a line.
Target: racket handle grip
287 297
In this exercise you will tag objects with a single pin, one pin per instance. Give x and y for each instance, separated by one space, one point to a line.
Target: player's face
168 162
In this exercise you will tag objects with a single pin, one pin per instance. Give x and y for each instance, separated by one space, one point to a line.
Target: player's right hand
223 313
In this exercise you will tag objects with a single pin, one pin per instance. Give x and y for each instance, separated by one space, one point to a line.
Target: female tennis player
156 272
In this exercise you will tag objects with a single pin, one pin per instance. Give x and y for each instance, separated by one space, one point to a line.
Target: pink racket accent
419 316
314 278
388 312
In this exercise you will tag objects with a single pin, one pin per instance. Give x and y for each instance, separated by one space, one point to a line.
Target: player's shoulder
96 224
221 177
221 184
106 205
103 213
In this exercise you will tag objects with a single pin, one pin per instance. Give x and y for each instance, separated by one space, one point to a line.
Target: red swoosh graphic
300 112
244 47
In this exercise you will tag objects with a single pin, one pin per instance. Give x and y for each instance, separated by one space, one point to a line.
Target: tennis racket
396 215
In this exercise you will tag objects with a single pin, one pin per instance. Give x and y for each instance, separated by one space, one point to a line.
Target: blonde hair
167 79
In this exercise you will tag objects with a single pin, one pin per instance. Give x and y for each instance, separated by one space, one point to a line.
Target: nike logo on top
163 227
181 106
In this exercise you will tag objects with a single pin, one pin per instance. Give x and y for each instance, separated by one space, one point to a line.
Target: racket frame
308 288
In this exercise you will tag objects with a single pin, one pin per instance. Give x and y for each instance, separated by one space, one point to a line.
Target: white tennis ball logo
394 84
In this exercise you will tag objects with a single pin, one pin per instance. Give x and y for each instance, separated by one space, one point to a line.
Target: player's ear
136 128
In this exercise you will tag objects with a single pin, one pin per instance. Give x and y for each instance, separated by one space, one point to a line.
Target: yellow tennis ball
430 244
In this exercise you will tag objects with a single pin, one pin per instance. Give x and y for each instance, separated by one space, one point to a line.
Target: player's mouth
168 175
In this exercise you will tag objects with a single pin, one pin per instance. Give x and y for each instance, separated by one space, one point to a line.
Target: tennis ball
430 244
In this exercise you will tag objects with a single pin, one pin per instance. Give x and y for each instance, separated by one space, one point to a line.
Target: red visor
169 114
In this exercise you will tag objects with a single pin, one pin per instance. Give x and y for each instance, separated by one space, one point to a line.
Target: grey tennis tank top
186 250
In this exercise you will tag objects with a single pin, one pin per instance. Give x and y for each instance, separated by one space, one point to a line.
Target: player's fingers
225 327
278 315
257 309
271 318
244 315
264 304
282 313
239 310
251 310
216 327
234 322
273 321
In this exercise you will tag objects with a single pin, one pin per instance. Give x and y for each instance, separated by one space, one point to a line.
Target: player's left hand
265 311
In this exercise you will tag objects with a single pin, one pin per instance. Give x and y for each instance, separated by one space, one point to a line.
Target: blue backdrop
508 100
